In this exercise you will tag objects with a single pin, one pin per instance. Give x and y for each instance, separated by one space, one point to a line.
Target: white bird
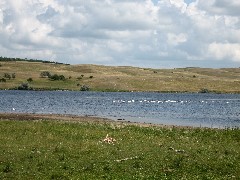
13 109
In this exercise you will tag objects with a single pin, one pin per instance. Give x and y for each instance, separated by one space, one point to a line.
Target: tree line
29 60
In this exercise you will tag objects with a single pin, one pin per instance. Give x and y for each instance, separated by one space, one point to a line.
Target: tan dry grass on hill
122 78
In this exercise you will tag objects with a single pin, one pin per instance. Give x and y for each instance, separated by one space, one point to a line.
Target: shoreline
127 91
87 119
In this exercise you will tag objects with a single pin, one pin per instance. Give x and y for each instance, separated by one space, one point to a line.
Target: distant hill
47 75
28 60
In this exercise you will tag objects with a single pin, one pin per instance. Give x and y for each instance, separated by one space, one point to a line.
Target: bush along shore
88 148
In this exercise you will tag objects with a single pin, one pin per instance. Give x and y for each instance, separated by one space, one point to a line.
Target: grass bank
53 149
122 78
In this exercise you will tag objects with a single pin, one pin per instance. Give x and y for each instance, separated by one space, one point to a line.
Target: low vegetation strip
57 148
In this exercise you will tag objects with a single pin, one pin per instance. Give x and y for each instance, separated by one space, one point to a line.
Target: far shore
51 76
123 91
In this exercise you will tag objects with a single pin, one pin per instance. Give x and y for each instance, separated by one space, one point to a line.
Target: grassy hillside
107 78
48 149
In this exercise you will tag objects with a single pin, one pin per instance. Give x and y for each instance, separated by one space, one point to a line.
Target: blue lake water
205 110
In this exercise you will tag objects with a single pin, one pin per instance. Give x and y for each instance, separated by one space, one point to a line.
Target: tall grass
64 150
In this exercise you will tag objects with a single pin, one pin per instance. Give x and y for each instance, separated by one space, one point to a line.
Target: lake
187 109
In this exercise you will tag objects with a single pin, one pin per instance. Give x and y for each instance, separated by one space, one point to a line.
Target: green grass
108 78
65 150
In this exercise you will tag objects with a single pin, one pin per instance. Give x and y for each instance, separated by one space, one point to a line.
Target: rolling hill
120 78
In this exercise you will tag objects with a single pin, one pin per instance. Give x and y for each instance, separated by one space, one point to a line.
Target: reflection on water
208 110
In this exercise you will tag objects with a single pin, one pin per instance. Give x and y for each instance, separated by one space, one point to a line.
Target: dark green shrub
13 75
3 80
6 75
204 91
56 77
84 88
90 77
24 86
45 74
29 80
62 77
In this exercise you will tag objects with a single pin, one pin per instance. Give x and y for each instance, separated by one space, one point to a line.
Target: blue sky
145 33
188 1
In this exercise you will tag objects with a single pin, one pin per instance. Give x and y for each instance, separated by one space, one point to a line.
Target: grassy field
52 149
107 78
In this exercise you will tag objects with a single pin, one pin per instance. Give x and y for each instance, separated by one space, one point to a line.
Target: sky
141 33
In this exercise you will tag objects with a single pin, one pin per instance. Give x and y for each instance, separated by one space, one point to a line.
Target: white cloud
176 39
1 17
179 4
221 51
129 32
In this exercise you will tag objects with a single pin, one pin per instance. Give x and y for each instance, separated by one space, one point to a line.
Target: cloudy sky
143 33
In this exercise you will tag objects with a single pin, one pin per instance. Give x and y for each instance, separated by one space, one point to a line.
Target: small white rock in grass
109 140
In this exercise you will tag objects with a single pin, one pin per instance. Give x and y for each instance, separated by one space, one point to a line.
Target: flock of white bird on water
159 101
145 101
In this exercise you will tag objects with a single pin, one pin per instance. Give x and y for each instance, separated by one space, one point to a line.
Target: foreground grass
64 150
109 78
